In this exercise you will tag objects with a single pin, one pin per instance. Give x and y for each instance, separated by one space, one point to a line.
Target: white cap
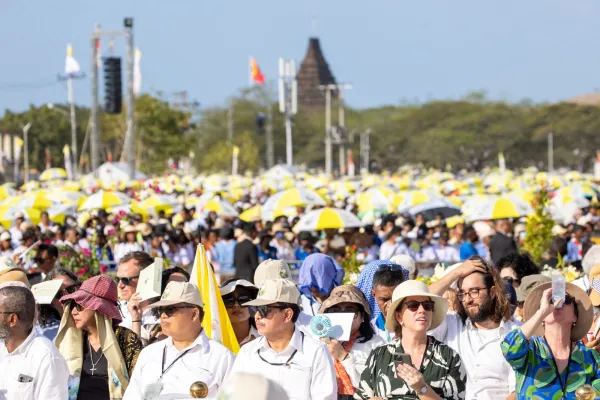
4 236
271 269
239 384
179 292
405 261
276 291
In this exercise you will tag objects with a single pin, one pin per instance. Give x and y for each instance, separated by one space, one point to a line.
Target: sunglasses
569 300
265 311
39 260
76 306
126 280
167 310
412 305
68 290
230 301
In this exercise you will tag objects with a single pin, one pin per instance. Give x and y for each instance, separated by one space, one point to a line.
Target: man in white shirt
187 356
291 358
128 274
31 367
475 331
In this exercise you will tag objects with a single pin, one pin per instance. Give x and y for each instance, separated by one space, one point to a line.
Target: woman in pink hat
101 356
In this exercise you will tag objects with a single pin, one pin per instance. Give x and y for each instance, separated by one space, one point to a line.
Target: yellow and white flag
137 73
71 65
216 323
68 163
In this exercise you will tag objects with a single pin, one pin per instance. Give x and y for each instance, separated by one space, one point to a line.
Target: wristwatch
423 390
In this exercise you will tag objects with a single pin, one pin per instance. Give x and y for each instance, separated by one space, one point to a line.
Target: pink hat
98 293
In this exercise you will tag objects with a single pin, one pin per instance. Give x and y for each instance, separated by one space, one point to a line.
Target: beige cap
271 269
4 236
179 292
528 283
239 384
276 291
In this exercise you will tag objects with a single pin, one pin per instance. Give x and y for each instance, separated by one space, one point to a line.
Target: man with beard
477 328
31 367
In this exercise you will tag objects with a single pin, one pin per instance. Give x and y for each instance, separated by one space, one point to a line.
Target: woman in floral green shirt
547 354
435 371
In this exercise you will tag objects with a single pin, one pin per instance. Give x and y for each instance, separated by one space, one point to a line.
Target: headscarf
69 341
365 283
321 272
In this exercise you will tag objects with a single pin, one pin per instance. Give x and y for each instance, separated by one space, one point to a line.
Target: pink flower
103 269
86 252
80 272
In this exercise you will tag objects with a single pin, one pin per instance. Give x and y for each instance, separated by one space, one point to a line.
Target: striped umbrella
377 198
160 202
413 198
67 198
58 213
53 173
251 215
104 199
6 192
221 207
37 199
327 218
296 197
495 207
8 215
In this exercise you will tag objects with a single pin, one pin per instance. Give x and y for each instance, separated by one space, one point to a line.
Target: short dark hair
166 274
49 248
521 263
20 300
144 259
390 276
558 246
61 271
295 309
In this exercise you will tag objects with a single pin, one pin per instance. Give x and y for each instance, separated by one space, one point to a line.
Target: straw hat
346 294
410 289
585 312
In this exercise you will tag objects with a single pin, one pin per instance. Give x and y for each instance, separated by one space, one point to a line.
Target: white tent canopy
112 173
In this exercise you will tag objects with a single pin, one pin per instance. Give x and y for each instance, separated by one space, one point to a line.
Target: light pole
26 155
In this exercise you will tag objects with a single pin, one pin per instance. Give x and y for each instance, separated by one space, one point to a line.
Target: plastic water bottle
558 289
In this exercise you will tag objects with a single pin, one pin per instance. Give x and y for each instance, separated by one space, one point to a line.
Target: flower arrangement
539 226
569 272
352 263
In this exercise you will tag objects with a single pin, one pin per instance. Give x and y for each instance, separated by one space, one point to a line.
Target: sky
389 50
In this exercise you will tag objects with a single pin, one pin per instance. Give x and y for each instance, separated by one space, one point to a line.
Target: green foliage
539 227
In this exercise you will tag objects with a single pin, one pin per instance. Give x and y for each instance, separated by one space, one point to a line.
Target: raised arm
465 269
546 308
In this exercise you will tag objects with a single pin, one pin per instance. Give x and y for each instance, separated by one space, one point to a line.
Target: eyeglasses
230 301
413 305
265 311
126 280
335 309
40 260
473 293
76 306
167 310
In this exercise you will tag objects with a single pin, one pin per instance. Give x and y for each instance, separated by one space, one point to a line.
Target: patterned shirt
536 373
442 370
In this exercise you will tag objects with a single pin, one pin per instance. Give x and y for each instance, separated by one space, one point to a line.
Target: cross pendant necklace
92 359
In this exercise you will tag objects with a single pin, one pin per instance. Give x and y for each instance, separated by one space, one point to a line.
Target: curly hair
500 303
521 263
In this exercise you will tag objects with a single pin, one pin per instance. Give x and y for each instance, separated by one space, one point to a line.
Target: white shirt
356 362
36 358
439 253
489 376
205 360
148 321
309 376
16 235
389 250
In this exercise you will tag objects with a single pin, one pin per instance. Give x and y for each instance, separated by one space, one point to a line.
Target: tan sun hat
410 289
179 292
239 384
271 269
346 294
585 312
276 291
528 283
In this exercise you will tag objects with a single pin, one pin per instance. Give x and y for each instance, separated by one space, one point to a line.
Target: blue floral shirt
535 371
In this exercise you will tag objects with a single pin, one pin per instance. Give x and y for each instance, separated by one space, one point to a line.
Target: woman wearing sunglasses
51 314
414 365
236 292
100 355
546 353
350 357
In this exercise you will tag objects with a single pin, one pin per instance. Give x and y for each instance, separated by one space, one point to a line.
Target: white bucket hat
410 289
239 384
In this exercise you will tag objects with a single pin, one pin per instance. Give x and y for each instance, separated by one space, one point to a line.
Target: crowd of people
485 327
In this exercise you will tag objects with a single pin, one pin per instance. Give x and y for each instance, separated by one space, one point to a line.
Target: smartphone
402 358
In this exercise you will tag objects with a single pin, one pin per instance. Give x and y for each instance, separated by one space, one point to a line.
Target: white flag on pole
68 164
137 73
71 64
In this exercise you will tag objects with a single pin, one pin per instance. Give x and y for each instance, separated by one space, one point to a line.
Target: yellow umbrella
31 185
160 202
67 198
221 207
8 215
327 218
251 215
495 207
53 173
7 191
296 197
38 199
377 198
413 198
103 200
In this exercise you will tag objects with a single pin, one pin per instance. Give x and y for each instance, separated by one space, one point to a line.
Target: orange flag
255 74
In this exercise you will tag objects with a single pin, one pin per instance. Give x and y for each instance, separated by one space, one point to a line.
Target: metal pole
328 154
130 103
230 123
550 152
288 139
270 150
73 126
94 111
26 150
341 123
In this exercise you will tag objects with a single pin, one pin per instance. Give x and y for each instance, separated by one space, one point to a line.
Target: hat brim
439 311
91 302
165 303
231 286
260 302
585 312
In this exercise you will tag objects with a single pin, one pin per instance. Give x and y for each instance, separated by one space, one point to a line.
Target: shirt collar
295 342
505 326
201 340
23 346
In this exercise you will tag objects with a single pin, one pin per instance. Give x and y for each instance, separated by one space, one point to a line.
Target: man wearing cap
31 367
186 357
294 360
